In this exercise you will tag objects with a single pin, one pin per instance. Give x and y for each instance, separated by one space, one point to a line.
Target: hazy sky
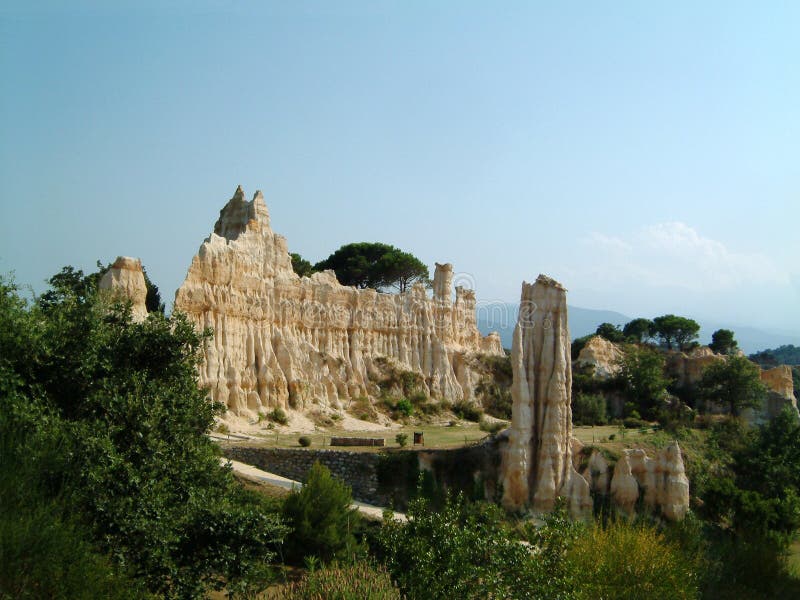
646 154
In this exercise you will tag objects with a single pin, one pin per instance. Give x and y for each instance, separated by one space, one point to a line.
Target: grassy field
436 436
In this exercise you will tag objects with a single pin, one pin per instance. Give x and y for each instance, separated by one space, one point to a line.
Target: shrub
622 560
360 581
462 551
320 517
404 407
278 415
467 410
401 439
304 441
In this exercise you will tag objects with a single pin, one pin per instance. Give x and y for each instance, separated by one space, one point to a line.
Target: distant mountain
584 321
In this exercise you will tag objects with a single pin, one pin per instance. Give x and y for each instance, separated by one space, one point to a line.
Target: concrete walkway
251 472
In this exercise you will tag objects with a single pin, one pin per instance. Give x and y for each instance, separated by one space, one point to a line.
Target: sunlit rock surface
285 341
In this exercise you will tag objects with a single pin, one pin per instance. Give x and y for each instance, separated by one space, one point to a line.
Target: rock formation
125 281
602 355
780 394
687 369
537 462
285 341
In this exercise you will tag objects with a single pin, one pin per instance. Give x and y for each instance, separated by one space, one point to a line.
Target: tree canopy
610 332
674 331
734 382
301 266
639 330
723 342
375 265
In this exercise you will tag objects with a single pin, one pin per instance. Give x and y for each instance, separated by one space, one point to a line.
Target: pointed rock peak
238 194
258 195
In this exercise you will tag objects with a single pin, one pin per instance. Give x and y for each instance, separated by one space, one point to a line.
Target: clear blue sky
646 154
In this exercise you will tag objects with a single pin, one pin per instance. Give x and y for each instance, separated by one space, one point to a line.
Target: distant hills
583 321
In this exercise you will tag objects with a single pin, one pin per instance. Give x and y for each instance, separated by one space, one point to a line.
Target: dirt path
251 472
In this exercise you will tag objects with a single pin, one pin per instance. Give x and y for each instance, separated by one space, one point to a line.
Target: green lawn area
436 436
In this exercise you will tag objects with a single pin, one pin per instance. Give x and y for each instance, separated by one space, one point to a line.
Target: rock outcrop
780 394
537 462
285 341
125 281
603 356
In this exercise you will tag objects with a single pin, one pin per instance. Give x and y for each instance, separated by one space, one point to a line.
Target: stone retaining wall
384 478
358 469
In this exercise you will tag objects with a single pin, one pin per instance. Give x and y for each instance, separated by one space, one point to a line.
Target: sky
645 154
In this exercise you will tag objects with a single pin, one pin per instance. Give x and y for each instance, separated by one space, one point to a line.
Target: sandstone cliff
285 341
125 281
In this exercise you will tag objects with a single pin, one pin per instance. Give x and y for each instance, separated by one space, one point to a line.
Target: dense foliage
734 383
639 330
610 332
675 332
642 379
132 461
301 266
321 518
462 551
723 342
783 355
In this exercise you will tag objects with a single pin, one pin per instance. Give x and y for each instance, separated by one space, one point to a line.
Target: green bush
467 410
462 551
401 439
304 441
634 423
360 581
589 409
404 407
278 415
321 518
134 464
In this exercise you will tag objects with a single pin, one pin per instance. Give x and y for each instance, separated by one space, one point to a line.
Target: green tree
321 518
674 331
134 464
734 382
374 265
610 332
723 342
639 330
589 409
642 378
301 266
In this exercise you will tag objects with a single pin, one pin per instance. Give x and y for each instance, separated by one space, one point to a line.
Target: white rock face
285 341
537 463
602 355
125 281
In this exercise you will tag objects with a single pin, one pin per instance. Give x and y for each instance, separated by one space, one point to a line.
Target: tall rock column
537 465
